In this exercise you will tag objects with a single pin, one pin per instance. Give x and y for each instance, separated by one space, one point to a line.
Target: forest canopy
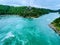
23 11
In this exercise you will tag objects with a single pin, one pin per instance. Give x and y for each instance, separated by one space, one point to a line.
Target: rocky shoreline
54 28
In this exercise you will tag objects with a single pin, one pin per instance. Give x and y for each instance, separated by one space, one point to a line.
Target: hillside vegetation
56 25
23 11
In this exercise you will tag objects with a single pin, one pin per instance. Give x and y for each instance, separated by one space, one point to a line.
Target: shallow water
15 30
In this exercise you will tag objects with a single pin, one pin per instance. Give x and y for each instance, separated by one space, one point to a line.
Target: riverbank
55 29
24 11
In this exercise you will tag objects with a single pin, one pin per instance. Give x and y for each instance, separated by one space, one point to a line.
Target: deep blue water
15 30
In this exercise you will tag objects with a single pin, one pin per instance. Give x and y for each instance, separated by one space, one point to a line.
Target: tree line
23 11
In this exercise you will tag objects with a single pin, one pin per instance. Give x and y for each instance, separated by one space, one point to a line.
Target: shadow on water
15 30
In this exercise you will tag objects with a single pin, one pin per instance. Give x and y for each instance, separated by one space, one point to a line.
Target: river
15 30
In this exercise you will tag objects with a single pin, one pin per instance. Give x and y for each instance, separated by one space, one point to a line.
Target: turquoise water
15 30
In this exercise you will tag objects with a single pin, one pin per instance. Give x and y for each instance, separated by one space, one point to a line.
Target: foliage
23 11
56 23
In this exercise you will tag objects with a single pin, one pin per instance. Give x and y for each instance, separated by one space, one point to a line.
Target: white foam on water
9 34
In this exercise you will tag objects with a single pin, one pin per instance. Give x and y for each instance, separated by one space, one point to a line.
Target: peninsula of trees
23 11
56 25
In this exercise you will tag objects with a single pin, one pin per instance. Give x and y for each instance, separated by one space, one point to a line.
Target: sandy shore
54 28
